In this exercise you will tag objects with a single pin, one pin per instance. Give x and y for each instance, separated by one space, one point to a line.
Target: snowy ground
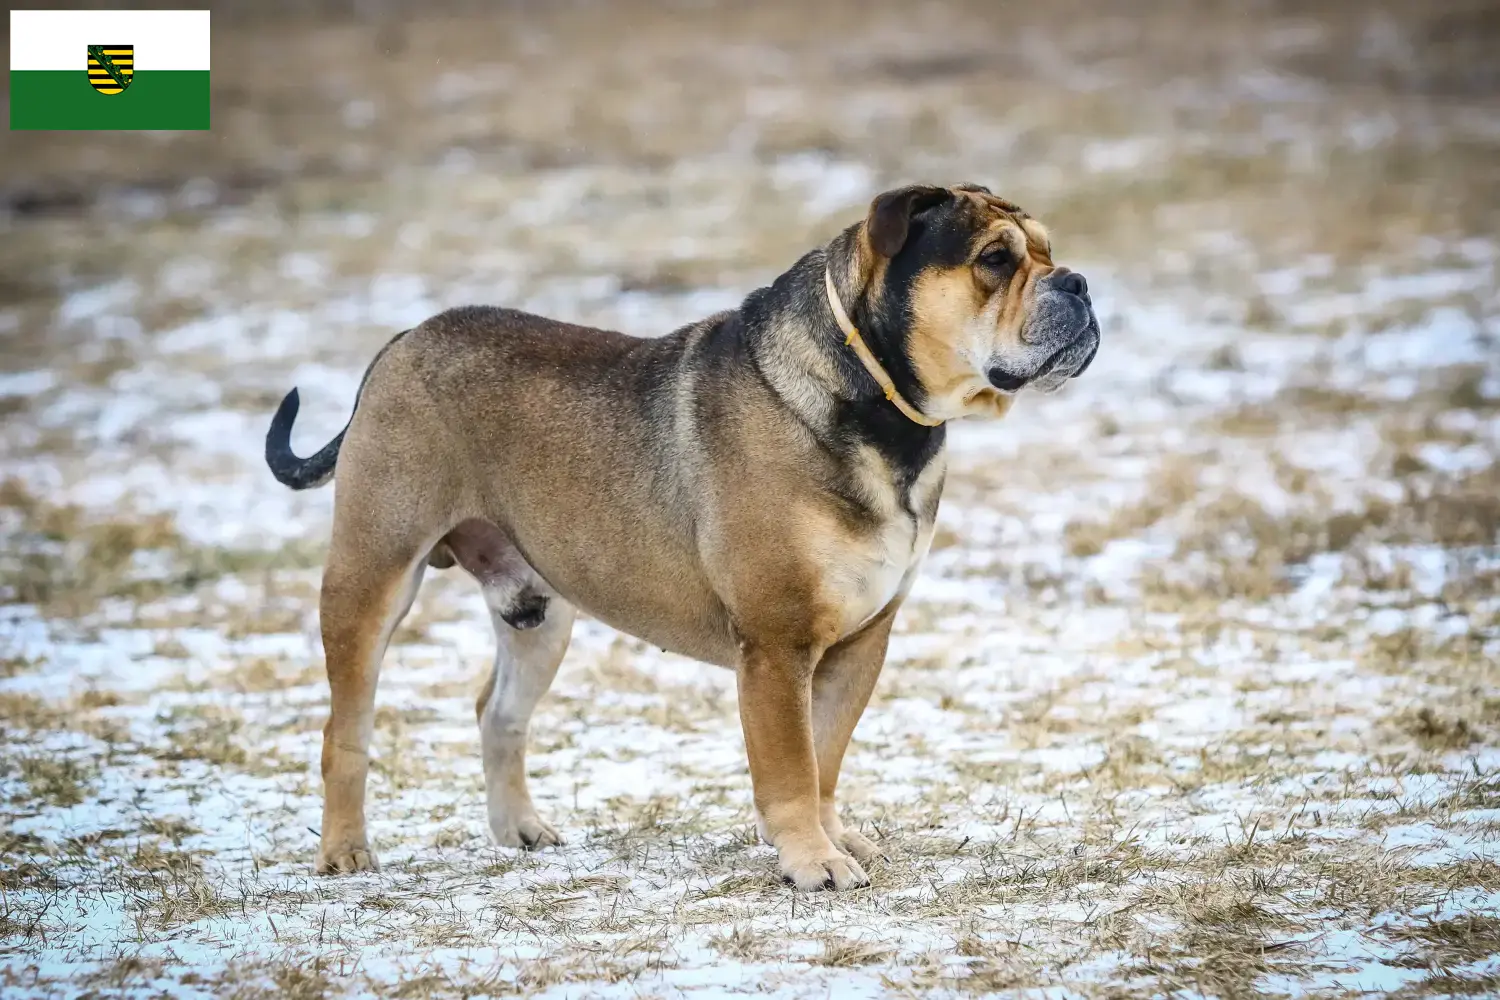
1199 692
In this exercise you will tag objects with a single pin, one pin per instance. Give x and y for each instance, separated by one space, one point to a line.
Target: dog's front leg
841 689
775 688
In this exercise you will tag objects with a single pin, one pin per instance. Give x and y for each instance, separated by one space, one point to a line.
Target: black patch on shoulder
906 446
724 346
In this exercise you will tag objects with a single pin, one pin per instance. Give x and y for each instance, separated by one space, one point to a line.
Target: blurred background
640 164
1248 562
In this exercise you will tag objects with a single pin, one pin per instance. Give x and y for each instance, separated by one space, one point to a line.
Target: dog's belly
670 606
701 633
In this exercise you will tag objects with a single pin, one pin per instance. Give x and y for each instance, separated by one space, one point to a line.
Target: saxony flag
109 69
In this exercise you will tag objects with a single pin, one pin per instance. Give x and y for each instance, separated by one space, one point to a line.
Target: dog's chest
866 570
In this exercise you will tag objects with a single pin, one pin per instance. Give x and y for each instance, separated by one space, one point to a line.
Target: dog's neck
805 360
855 341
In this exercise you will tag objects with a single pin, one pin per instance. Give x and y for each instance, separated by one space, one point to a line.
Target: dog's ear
891 214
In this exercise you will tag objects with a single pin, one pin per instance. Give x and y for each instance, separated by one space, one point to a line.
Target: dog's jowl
756 490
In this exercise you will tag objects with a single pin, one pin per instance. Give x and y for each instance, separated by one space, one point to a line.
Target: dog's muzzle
1062 335
1067 362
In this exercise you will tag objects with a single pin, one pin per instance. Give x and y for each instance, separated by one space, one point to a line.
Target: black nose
1072 282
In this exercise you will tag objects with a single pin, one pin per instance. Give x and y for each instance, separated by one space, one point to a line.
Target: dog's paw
836 871
856 845
529 832
349 856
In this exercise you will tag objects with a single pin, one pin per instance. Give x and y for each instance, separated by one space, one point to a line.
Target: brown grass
1169 489
1435 731
1461 940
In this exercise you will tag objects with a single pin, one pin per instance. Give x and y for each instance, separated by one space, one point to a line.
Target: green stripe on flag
63 99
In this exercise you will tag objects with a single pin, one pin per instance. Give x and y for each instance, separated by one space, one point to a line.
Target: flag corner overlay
109 70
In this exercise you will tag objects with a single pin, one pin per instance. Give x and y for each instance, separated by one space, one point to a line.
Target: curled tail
289 470
316 470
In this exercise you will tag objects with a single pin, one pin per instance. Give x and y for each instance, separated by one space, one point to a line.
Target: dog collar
862 351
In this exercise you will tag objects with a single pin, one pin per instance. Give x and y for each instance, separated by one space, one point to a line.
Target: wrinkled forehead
992 218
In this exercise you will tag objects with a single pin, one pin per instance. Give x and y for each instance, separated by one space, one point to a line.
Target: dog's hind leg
525 663
841 688
368 586
532 628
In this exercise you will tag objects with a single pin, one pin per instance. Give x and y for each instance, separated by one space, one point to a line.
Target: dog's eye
996 256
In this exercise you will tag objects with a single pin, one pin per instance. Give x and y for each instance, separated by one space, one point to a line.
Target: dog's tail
316 470
289 470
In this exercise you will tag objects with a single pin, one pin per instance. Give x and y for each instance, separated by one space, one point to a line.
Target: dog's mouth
1007 382
1068 361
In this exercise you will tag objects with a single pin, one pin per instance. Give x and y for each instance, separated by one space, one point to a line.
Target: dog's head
961 284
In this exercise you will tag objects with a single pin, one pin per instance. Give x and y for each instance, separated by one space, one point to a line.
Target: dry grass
67 559
1434 731
1458 941
53 781
1168 490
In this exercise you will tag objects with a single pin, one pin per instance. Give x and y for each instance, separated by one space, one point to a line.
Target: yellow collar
853 339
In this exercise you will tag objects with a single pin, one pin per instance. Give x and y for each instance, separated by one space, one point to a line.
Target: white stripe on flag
59 39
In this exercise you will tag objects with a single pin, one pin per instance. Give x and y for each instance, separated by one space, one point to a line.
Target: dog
755 490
